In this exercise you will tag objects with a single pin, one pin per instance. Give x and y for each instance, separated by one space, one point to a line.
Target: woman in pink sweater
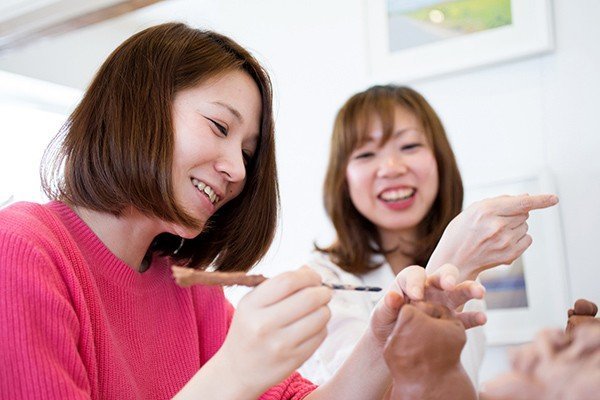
169 158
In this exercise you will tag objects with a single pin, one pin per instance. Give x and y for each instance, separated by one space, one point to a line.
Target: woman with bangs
394 194
168 159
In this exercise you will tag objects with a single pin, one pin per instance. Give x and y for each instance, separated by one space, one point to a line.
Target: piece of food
189 276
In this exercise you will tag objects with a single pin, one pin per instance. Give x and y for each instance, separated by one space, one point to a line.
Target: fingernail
416 292
450 281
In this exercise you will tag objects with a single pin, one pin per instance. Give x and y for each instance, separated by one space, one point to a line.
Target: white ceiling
12 11
12 8
22 21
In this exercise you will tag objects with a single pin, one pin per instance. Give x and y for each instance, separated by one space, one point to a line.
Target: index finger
516 205
284 285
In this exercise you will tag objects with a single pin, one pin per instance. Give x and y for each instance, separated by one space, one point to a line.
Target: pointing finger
525 203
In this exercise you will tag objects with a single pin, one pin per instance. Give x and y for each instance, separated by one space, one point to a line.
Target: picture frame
528 33
520 306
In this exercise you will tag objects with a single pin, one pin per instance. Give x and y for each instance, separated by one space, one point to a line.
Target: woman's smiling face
395 184
217 127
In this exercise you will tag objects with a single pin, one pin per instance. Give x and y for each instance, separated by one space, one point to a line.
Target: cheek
429 173
180 154
234 191
354 180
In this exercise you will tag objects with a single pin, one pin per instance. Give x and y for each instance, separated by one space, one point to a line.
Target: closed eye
363 155
412 146
219 126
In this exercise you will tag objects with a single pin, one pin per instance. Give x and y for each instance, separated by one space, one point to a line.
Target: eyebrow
395 134
232 110
403 131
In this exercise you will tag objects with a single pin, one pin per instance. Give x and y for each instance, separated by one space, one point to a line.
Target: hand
488 233
412 284
276 328
423 354
554 366
427 338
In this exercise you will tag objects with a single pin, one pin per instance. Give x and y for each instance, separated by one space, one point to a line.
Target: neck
398 261
127 236
399 241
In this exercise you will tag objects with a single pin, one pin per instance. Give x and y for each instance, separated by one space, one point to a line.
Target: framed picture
532 292
410 40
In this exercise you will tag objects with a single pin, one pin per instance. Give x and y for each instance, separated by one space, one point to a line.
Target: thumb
388 309
393 301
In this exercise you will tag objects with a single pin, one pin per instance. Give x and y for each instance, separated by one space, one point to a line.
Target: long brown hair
116 148
357 237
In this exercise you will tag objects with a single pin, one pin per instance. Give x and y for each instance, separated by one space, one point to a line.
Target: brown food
189 276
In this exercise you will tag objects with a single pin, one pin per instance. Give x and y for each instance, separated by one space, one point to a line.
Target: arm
488 233
350 313
274 330
365 374
39 329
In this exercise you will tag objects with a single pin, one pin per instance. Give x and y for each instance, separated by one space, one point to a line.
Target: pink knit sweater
76 322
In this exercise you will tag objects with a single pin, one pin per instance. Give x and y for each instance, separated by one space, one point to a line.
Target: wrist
370 348
452 383
244 384
207 382
468 275
466 271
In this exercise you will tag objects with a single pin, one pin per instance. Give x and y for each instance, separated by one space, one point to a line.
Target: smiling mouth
206 190
390 196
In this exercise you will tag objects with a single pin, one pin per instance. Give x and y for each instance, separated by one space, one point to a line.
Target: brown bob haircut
357 238
116 149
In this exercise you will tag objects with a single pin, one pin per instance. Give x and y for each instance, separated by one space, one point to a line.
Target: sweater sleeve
295 387
39 329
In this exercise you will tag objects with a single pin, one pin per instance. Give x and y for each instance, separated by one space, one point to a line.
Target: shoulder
29 221
330 271
30 244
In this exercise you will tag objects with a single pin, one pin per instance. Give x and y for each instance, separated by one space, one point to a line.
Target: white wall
504 121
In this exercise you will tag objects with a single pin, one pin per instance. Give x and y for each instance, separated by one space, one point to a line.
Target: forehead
381 124
233 93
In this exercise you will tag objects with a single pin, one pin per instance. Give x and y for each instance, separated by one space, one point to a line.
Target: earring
180 246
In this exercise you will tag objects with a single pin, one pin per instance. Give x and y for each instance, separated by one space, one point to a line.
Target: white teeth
395 195
207 190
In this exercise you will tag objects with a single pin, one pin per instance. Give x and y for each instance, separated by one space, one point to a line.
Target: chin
400 225
185 232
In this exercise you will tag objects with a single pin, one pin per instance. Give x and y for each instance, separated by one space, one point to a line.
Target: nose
391 166
231 165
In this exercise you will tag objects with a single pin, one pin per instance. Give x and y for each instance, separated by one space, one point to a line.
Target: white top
350 314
